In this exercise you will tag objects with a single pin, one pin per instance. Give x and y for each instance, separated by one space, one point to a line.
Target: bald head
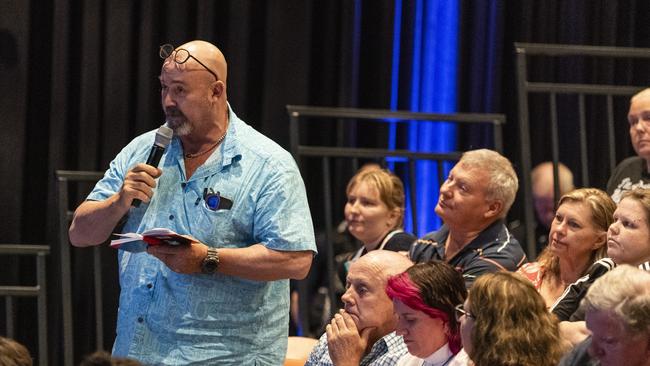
543 190
365 297
638 118
385 263
542 179
208 55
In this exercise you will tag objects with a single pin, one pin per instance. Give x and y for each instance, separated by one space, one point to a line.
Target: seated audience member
364 331
504 321
342 243
13 353
618 316
374 212
473 204
374 215
103 358
628 242
544 201
424 298
578 238
634 172
628 239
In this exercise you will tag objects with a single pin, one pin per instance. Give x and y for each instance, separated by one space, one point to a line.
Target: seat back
298 350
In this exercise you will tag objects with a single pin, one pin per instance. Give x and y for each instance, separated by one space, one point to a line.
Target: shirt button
140 319
171 217
183 185
149 285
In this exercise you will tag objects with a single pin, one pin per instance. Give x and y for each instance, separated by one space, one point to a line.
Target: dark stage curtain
78 80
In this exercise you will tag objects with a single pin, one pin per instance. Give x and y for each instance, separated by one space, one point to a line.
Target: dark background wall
78 80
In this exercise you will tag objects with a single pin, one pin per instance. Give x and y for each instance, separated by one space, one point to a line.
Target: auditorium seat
298 350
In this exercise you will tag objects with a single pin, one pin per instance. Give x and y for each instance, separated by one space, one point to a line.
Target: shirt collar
439 357
231 149
388 343
228 151
489 234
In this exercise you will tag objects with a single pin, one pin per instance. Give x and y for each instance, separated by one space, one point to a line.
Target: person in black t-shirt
634 172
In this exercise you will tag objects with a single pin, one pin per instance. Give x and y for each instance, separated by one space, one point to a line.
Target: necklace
196 155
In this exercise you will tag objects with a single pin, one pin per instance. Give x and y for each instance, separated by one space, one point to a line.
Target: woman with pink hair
424 300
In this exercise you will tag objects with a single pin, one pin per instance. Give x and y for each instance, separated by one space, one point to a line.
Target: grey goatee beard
182 128
178 122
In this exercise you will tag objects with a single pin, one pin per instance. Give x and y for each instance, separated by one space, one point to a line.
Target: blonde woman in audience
504 322
577 239
424 298
374 213
628 242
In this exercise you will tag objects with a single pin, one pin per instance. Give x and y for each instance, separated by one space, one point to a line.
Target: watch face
210 266
211 262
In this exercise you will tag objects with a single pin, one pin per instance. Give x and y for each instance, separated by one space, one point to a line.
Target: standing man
223 299
634 172
473 204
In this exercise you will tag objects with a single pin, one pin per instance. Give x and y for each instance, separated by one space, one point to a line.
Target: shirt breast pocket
215 227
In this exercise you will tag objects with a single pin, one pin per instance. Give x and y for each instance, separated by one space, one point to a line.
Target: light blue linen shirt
170 318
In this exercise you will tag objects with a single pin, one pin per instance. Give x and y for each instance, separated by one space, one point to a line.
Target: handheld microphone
163 138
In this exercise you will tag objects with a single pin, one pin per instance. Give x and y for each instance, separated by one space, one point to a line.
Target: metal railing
38 291
525 88
64 179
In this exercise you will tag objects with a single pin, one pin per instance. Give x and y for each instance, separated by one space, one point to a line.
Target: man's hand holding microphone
141 179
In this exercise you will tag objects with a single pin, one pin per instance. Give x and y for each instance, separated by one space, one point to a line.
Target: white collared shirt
440 357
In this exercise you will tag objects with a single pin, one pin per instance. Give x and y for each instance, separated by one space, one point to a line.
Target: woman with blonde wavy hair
577 239
504 322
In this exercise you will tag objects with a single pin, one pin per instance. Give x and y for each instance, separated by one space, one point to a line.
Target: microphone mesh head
164 136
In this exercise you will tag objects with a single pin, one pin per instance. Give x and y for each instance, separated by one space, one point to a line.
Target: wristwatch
210 263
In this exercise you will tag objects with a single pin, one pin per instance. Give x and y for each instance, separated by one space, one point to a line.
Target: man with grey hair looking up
473 204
